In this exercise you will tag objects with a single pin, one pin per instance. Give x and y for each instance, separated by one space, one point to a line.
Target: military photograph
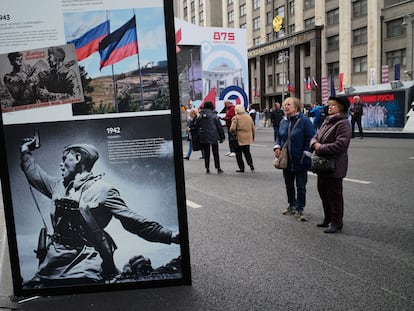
39 78
94 201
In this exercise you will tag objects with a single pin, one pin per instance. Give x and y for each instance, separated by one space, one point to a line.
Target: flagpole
115 90
142 107
113 76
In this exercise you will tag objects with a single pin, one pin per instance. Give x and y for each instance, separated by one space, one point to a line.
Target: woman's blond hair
240 109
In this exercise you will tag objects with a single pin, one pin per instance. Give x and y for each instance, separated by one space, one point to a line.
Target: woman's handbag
283 160
321 164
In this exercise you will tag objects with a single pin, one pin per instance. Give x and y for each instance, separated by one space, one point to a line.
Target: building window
359 8
229 1
230 17
269 37
291 7
256 41
243 10
243 26
394 28
307 72
256 23
333 43
309 23
396 57
307 49
201 16
270 80
360 64
269 18
192 6
280 11
333 68
256 4
281 78
185 11
359 36
308 4
193 19
200 2
332 17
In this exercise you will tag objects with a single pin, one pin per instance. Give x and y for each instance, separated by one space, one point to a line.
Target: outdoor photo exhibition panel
91 156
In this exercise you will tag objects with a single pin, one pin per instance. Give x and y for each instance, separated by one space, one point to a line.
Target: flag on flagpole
87 44
341 82
255 92
120 44
333 92
385 74
315 84
178 38
210 97
324 86
396 71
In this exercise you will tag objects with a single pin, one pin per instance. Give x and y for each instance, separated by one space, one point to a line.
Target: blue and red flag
120 44
87 44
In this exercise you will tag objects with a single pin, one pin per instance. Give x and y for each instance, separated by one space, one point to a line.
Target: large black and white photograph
38 78
94 201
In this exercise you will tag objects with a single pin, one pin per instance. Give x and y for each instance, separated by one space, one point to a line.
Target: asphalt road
246 255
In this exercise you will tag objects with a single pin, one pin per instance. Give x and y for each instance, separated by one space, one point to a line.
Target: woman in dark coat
333 140
210 132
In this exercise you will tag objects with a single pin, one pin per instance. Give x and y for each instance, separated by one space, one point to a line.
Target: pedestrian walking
243 128
210 132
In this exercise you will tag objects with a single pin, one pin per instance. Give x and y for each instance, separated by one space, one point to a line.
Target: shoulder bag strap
291 131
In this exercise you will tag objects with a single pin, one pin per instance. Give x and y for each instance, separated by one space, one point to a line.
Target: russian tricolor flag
88 43
120 44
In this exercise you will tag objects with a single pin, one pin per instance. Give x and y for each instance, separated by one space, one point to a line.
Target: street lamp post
283 57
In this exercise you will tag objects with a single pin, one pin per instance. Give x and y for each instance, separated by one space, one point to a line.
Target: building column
345 40
374 40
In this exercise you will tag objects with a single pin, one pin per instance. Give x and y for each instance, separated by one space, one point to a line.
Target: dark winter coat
210 128
335 144
299 141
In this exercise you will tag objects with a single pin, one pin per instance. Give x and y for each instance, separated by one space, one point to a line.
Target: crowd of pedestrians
324 130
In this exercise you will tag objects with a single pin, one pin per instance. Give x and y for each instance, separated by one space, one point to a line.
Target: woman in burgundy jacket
333 140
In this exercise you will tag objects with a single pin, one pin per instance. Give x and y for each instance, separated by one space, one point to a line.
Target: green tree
162 100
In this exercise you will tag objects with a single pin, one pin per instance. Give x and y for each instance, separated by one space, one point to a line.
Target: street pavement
246 255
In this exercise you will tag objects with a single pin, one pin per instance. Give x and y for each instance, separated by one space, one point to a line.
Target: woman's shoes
207 171
252 167
323 224
187 158
240 171
333 229
219 171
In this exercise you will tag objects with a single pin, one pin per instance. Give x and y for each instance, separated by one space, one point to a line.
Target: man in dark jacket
356 116
275 117
210 132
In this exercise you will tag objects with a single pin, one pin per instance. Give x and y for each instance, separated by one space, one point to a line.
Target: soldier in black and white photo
22 81
59 81
79 250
